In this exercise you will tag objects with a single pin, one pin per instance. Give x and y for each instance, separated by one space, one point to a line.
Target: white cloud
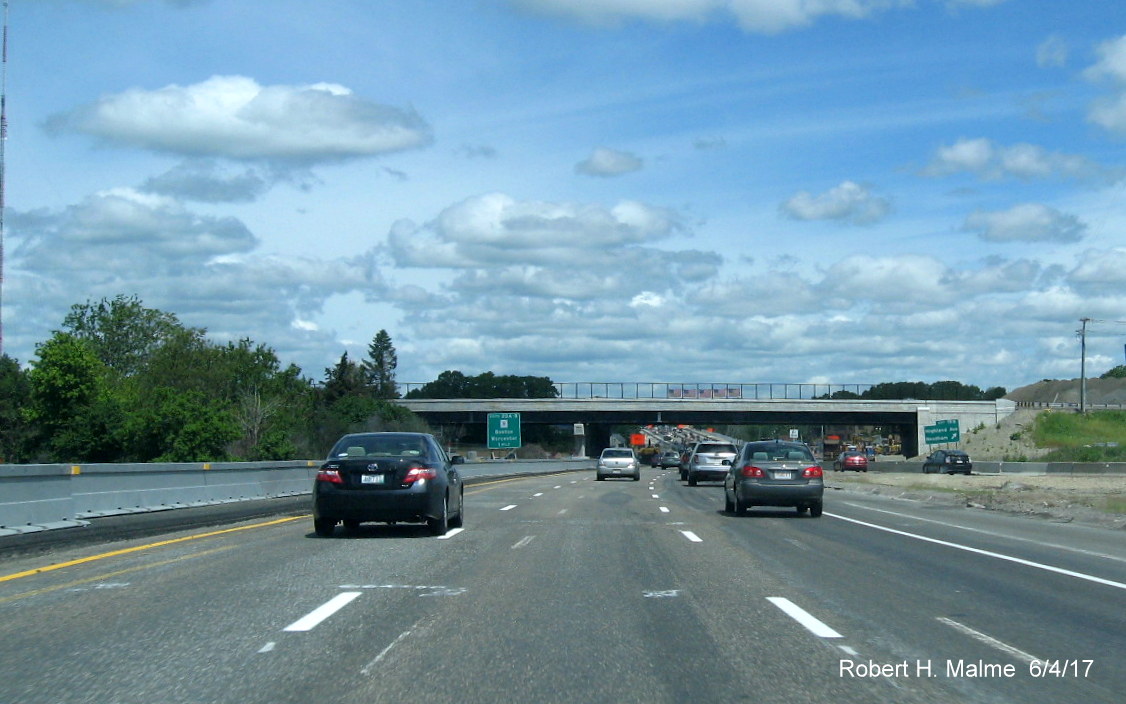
1110 111
1028 222
236 118
496 230
1052 52
849 202
608 162
988 160
758 16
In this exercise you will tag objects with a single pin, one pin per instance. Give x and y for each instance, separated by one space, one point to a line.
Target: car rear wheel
324 527
637 477
599 477
815 510
459 520
740 507
728 504
351 525
441 524
692 481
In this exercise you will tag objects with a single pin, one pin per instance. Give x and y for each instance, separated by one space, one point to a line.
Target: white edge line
314 617
803 617
947 524
509 507
987 553
989 640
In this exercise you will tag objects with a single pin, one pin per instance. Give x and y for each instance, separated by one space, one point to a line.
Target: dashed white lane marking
314 617
988 640
948 524
523 541
662 594
803 617
561 512
557 487
691 536
383 653
987 553
509 507
850 651
656 496
267 647
537 495
664 509
450 533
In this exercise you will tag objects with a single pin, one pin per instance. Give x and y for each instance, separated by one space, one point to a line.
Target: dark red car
851 460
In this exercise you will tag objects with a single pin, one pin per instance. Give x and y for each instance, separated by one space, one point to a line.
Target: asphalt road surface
563 589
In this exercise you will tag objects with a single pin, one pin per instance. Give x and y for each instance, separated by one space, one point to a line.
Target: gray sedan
774 473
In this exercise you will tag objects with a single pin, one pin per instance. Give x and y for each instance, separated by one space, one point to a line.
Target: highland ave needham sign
942 431
503 430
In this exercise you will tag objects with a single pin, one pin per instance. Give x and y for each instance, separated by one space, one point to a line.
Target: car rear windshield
617 453
775 452
715 449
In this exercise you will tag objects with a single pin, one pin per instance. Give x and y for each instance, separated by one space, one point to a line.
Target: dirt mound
1099 391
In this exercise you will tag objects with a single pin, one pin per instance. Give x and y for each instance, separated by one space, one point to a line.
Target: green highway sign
503 431
942 431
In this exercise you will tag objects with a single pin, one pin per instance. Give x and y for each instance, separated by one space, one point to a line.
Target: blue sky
839 191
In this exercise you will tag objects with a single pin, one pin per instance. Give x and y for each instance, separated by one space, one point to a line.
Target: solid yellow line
126 551
108 575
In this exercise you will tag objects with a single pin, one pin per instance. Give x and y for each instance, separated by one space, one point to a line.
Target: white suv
710 460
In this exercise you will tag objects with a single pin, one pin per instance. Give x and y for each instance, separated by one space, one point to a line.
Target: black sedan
948 462
774 473
388 478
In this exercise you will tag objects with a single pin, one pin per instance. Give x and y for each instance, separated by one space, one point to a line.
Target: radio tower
3 142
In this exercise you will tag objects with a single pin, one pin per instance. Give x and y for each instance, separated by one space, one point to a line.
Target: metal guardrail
1071 406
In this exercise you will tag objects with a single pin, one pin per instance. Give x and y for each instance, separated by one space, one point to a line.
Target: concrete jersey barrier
46 496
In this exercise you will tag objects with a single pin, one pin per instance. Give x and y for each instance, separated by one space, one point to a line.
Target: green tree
71 404
1118 372
122 332
15 393
380 366
454 384
179 426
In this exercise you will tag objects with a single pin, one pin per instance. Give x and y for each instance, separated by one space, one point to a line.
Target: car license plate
373 479
783 475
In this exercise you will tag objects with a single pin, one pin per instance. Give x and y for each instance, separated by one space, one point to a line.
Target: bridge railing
661 389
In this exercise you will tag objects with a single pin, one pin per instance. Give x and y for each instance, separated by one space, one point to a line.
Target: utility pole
3 142
1083 364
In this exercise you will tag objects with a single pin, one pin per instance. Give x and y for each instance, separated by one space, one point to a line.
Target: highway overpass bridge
599 415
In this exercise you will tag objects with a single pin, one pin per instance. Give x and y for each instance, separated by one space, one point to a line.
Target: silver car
774 473
709 461
618 462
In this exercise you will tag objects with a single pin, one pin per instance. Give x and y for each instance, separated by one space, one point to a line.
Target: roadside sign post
503 431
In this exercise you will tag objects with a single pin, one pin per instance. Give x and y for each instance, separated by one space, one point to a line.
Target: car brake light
417 473
752 471
812 472
332 476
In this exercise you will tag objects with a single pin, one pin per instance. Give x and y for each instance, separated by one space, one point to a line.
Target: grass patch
1081 438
